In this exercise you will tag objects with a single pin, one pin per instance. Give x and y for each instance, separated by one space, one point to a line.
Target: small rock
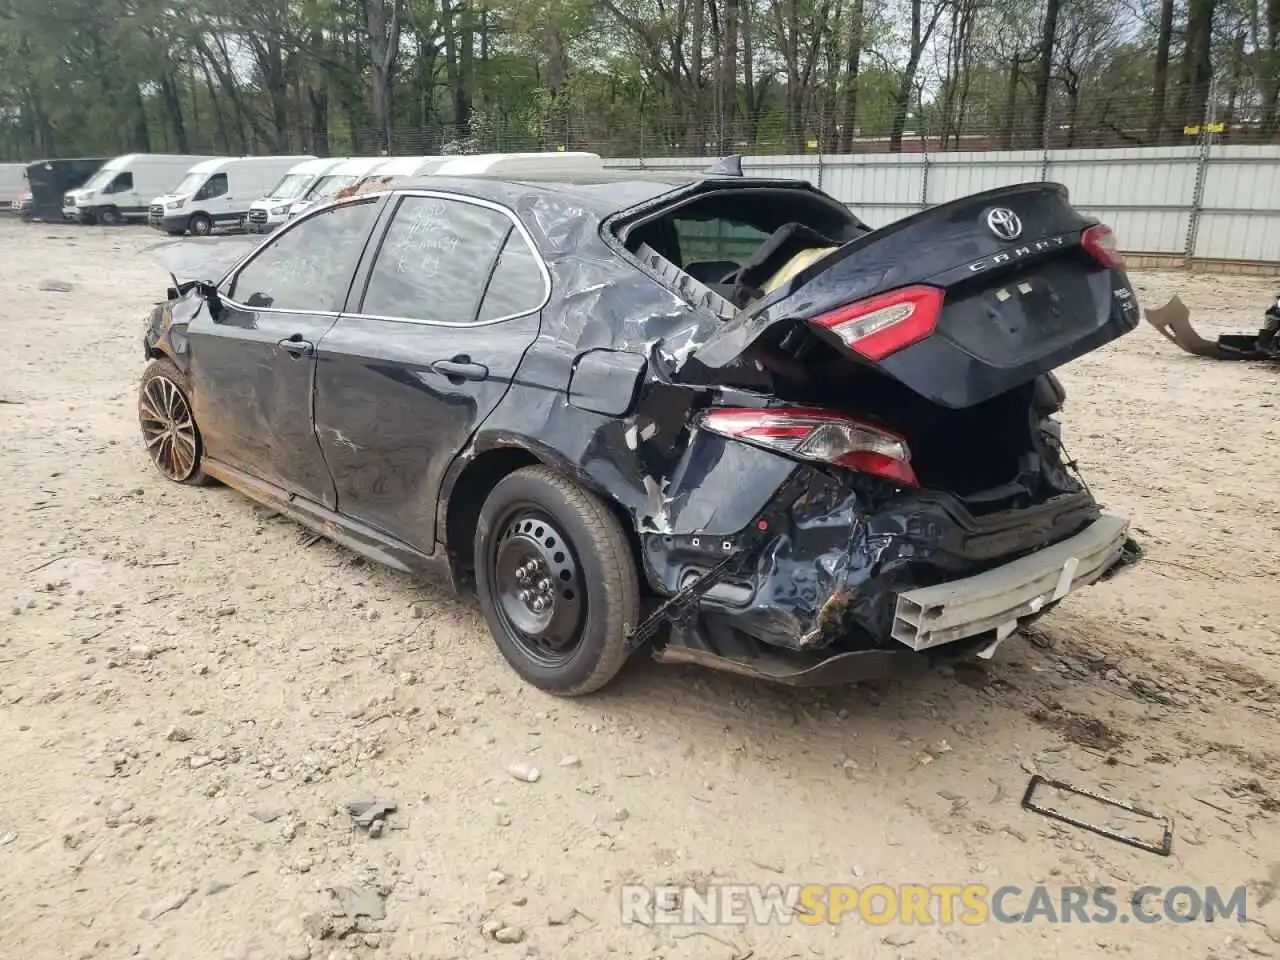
55 286
509 935
525 771
317 926
490 927
226 610
561 916
571 761
141 651
418 610
199 760
298 951
178 735
497 877
376 828
899 939
265 816
621 814
519 901
373 940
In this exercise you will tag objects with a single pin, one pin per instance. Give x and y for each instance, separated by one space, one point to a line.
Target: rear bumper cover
851 565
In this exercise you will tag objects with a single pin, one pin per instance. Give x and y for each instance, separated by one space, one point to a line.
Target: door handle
461 368
296 346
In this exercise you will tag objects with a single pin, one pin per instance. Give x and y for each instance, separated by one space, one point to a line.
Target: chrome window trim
479 202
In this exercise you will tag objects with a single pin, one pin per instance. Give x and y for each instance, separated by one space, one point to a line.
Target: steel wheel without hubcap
169 429
539 595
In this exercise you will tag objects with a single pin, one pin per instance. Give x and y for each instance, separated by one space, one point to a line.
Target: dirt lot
194 690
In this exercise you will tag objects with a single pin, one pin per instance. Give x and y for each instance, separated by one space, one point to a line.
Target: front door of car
441 317
253 352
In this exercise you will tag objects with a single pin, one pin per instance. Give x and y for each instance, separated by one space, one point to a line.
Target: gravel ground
194 690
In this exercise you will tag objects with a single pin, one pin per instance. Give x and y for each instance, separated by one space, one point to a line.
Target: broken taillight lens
881 325
823 436
1100 243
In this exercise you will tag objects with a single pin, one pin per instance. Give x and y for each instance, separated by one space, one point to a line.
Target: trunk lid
1009 289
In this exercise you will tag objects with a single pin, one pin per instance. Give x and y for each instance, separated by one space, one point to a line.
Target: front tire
169 428
556 580
200 225
110 217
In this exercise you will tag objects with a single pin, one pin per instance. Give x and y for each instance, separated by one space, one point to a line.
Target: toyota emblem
1004 223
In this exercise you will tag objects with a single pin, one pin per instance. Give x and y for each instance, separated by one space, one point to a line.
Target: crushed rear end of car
879 479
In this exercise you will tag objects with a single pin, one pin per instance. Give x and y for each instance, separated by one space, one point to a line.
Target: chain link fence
934 128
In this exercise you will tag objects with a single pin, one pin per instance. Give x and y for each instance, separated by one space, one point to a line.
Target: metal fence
1194 203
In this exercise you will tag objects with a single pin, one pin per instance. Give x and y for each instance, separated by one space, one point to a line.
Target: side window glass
717 240
123 183
517 286
215 186
308 267
435 260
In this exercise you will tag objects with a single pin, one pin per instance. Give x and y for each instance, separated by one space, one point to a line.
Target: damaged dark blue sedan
715 418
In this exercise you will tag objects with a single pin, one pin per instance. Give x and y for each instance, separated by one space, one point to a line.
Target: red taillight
1100 243
820 435
882 325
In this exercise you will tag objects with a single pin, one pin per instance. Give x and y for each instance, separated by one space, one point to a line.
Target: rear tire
200 225
542 539
169 430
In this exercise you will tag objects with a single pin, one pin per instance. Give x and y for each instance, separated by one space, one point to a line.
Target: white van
122 188
271 210
406 167
516 164
217 193
345 174
13 181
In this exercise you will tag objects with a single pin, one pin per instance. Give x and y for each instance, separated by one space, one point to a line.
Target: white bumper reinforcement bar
996 600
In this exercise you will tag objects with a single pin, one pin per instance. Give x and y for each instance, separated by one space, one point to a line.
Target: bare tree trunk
1157 131
466 61
1268 72
173 109
852 66
141 132
1198 60
223 132
452 68
698 126
920 35
382 18
1009 115
729 77
1044 71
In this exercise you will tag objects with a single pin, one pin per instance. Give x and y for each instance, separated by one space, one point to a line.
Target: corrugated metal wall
1210 203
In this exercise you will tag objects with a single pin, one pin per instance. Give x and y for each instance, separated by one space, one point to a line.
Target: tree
1044 70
